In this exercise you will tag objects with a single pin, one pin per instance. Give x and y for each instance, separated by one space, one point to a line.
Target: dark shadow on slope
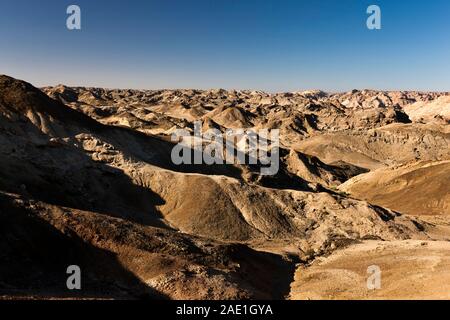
268 275
66 176
157 151
34 257
20 97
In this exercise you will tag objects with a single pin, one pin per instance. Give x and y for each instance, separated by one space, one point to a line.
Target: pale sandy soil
409 270
84 180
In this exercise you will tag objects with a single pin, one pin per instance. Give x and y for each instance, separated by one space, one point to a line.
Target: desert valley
87 179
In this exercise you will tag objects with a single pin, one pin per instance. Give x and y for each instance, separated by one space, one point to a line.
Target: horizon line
274 92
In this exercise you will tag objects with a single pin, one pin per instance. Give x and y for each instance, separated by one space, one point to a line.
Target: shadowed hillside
87 179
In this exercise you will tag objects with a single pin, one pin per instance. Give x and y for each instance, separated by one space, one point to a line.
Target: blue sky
233 44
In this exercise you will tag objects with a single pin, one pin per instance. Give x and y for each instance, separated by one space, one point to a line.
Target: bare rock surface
87 177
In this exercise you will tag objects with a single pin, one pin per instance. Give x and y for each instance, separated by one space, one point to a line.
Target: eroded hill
87 178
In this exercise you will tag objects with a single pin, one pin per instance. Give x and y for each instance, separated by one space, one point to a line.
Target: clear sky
241 44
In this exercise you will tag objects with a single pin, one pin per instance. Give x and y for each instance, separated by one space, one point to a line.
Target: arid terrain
87 179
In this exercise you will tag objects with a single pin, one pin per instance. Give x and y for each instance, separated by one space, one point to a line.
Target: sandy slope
87 177
409 270
421 188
